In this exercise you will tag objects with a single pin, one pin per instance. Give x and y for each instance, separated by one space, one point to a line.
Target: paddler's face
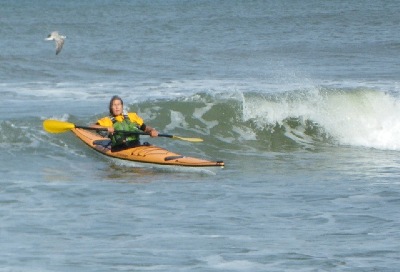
117 107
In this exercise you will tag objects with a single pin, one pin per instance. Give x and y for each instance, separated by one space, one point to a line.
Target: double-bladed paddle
56 126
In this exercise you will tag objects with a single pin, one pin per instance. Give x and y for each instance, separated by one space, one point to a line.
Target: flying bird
59 39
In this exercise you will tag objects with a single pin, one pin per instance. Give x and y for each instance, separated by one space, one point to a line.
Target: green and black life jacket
126 125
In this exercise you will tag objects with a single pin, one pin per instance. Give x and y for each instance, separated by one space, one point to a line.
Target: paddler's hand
111 130
153 133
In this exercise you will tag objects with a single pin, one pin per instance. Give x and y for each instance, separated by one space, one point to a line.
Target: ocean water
300 99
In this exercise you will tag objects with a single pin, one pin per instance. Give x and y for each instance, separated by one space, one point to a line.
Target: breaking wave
252 121
305 119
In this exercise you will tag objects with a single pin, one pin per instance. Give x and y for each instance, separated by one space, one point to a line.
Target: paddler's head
116 106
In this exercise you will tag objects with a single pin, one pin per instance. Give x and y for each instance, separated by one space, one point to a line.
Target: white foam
358 117
177 120
218 262
367 119
167 168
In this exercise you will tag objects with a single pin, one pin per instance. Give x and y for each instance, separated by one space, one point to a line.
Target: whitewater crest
305 118
355 117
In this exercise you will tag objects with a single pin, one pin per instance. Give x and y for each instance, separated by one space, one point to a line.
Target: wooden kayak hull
144 153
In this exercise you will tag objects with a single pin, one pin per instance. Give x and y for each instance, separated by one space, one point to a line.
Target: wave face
294 119
251 122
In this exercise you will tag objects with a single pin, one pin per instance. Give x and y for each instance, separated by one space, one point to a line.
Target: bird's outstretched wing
59 45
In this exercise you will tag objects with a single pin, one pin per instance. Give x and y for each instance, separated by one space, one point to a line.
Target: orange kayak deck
143 153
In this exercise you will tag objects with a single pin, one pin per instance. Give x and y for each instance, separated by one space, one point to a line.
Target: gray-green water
300 100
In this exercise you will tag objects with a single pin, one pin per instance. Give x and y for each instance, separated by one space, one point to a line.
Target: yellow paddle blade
57 126
194 140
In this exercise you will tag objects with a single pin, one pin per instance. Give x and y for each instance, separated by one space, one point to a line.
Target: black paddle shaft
120 131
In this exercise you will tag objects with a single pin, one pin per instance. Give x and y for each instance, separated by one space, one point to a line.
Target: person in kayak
127 121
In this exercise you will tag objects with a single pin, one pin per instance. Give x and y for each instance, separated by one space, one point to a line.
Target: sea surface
300 99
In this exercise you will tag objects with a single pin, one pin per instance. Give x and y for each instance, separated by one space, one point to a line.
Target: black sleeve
143 127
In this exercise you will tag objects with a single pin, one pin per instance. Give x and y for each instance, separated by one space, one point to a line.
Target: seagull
59 39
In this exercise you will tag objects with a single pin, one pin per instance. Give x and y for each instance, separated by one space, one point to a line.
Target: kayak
143 153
